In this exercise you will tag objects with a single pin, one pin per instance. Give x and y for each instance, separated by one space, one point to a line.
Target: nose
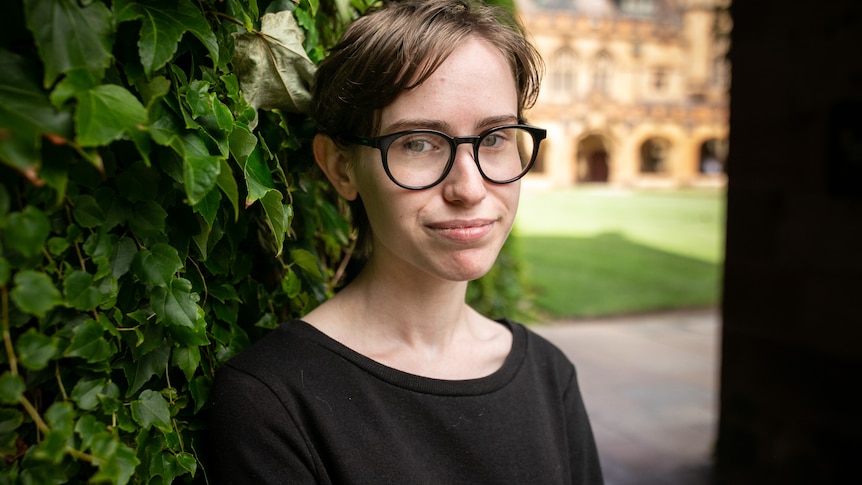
464 184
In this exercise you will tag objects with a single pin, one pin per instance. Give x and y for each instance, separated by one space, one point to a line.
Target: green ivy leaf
156 266
75 81
169 465
118 468
25 114
57 246
140 371
86 393
88 342
200 390
34 293
109 398
122 257
223 292
188 359
290 284
87 212
258 178
11 388
276 217
44 474
148 219
35 349
79 290
60 417
199 176
198 98
10 419
107 113
241 143
227 184
187 462
90 430
223 116
82 294
164 465
51 448
152 410
26 231
70 34
176 304
208 208
305 260
163 24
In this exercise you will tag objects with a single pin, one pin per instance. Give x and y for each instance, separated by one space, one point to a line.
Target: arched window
713 155
563 72
654 155
602 72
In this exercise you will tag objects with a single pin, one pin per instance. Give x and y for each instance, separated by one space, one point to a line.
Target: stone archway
654 154
713 157
593 160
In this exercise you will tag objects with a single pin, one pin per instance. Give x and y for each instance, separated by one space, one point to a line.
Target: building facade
635 92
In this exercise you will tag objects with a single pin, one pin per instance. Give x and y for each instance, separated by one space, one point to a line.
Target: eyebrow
440 125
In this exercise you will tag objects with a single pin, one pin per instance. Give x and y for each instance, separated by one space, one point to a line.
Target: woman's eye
493 140
417 145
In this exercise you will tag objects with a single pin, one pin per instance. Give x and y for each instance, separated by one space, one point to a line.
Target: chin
467 269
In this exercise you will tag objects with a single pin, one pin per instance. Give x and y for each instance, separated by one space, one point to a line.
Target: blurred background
692 243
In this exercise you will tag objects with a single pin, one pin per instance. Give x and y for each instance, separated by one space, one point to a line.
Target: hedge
159 210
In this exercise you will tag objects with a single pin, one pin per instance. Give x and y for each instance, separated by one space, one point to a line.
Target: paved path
650 386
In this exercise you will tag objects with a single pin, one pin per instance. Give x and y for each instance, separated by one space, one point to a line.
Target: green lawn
603 251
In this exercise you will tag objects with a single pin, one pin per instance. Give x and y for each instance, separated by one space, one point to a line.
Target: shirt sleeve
252 438
586 468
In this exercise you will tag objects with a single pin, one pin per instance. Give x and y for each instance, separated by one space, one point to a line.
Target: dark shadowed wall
792 340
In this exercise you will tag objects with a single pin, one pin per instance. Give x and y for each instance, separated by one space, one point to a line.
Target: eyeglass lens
419 159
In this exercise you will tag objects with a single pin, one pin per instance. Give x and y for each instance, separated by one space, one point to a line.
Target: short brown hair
398 46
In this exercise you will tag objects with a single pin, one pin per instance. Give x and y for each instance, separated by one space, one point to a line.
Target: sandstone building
635 92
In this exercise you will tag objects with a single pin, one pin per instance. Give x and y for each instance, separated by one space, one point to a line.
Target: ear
334 163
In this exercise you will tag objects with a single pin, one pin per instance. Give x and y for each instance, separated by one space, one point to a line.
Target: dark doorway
593 164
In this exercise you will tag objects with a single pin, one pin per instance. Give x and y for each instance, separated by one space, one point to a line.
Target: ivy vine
153 223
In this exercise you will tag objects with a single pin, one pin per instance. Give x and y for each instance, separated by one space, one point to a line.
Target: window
602 72
563 72
659 79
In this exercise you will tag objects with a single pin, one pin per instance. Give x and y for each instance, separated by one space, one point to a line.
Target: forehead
474 83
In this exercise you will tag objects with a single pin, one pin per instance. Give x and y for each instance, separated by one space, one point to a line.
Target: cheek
379 196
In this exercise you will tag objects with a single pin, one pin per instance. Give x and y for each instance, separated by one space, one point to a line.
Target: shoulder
541 356
279 354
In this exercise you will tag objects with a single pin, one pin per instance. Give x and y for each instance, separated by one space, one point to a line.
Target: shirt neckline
425 385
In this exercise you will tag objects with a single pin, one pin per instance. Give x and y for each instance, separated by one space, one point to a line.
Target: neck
413 322
417 310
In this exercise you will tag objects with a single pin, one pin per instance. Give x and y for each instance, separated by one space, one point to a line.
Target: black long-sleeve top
298 407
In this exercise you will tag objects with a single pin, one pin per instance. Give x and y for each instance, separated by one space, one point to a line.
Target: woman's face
454 230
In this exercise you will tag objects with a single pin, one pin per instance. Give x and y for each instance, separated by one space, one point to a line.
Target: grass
603 251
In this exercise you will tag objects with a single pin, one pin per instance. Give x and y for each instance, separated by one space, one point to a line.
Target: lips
463 231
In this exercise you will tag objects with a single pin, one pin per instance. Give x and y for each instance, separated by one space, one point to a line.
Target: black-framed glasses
420 159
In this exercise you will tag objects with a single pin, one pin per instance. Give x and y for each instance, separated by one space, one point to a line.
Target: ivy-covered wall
159 210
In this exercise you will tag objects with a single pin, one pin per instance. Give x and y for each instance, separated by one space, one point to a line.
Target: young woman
396 379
